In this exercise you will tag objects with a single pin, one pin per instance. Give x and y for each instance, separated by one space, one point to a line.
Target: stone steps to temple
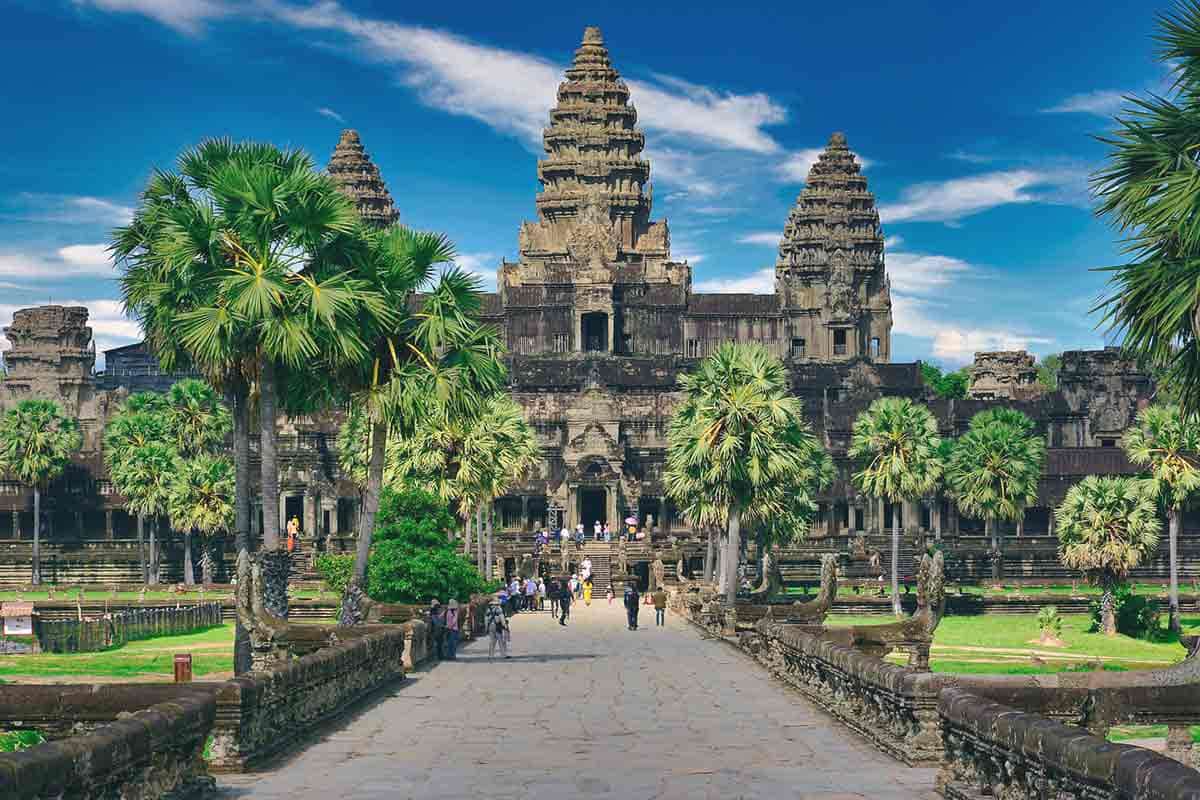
601 555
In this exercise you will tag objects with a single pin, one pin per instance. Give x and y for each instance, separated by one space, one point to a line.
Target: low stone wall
259 714
153 753
993 750
61 710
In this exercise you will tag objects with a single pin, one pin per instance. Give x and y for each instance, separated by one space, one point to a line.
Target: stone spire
358 178
592 147
830 265
834 212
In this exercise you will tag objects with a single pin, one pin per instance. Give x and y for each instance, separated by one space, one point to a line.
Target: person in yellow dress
587 592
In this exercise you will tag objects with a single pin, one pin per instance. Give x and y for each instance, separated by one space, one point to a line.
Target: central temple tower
593 261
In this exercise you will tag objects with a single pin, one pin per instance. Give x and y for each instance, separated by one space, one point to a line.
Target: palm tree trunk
275 561
719 559
479 538
467 534
1174 623
491 558
141 534
189 576
1108 608
366 520
37 535
733 546
708 557
896 561
238 399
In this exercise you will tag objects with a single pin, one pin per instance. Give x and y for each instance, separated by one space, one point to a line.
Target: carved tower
590 261
358 178
830 276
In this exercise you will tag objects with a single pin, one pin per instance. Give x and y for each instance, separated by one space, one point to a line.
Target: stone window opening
1108 442
798 347
839 342
874 347
595 332
693 348
560 343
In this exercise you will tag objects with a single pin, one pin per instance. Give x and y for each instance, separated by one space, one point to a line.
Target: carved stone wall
1004 375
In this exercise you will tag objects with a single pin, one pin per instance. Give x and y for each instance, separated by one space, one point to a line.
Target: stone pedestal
276 565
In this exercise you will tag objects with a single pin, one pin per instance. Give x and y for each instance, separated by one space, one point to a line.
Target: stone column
333 519
310 514
610 496
283 496
108 524
16 524
935 513
526 524
79 524
572 510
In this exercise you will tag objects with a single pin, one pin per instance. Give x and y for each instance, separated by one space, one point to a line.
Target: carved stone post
108 524
79 524
283 496
525 523
16 524
310 514
334 528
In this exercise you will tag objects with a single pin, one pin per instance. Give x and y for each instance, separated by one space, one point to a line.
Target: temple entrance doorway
595 332
293 506
593 505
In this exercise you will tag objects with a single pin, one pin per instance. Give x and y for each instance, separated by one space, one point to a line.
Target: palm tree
1106 527
993 472
1148 190
895 442
196 418
1167 442
139 421
238 264
200 501
144 477
36 443
738 438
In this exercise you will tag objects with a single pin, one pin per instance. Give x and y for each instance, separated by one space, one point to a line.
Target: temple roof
733 304
358 178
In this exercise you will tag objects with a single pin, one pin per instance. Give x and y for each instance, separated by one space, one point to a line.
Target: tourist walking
452 630
660 608
437 627
607 533
587 591
530 594
597 529
541 594
554 590
632 606
564 603
495 623
514 594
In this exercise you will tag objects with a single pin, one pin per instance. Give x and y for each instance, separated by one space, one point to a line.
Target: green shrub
335 569
1137 616
1049 621
12 741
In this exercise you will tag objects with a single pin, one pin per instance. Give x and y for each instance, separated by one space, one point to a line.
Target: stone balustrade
991 750
155 752
260 713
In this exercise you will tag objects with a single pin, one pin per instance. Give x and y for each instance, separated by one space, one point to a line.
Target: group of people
444 623
601 532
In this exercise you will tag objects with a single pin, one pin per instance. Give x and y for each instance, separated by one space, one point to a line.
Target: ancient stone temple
358 178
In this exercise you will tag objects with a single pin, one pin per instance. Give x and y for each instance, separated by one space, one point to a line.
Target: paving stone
590 711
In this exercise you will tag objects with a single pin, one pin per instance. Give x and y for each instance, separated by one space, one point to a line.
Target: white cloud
760 282
329 112
72 261
921 273
483 265
947 201
764 238
953 342
185 16
1102 102
692 258
74 209
893 241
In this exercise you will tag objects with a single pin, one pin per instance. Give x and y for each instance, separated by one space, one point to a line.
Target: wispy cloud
483 265
186 16
948 201
763 238
329 112
71 209
1102 102
760 282
72 261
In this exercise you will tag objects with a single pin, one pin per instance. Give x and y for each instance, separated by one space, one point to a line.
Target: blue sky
975 122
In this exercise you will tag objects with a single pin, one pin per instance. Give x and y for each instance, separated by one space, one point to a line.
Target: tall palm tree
1148 190
144 477
196 418
140 421
1106 527
201 501
896 445
737 437
36 443
993 472
1167 443
239 264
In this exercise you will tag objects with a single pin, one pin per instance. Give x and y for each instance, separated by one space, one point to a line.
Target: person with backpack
564 602
496 624
632 606
660 607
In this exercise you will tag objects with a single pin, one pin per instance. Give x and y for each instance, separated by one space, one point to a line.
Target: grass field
99 596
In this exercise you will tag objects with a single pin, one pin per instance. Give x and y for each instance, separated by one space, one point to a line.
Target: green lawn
100 595
1007 644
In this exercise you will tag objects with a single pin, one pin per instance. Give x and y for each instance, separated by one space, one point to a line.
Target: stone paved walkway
591 710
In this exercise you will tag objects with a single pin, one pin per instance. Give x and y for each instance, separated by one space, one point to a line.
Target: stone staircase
601 555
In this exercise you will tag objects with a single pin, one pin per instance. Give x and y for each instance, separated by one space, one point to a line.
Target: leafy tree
1107 526
1148 190
993 472
413 559
1047 371
949 385
36 443
201 501
137 423
237 264
739 439
1167 443
196 419
896 445
144 476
